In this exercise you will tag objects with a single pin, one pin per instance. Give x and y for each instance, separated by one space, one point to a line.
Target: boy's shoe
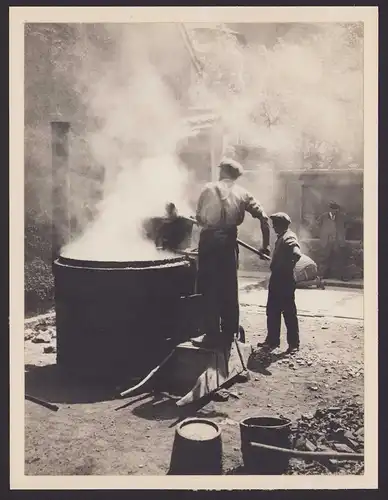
292 348
268 345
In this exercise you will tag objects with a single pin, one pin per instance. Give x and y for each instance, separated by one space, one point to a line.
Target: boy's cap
233 167
281 216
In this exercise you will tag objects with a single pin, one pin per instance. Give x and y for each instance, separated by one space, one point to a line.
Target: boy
281 290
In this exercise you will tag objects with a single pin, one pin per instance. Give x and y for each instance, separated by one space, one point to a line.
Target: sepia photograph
194 221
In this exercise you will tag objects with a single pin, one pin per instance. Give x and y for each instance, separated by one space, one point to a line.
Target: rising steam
299 98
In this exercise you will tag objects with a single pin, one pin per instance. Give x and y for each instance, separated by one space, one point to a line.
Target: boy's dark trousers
281 300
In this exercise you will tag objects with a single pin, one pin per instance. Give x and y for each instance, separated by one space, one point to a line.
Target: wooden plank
222 368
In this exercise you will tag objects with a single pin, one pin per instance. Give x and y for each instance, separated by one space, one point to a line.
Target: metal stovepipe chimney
60 186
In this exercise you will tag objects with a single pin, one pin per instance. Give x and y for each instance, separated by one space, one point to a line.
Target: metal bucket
266 430
197 448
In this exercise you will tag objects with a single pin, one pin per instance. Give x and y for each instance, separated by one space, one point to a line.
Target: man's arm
264 223
296 254
257 211
293 244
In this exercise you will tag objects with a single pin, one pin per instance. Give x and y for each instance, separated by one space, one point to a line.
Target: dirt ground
89 435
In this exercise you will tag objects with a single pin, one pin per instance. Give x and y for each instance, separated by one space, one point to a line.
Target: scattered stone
300 443
229 421
349 435
140 466
327 428
309 445
49 349
220 395
351 440
42 338
269 405
29 333
313 388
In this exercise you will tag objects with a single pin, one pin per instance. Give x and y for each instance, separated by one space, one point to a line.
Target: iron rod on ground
310 455
39 401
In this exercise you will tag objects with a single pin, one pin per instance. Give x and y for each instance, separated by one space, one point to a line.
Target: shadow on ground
161 407
48 382
261 285
259 361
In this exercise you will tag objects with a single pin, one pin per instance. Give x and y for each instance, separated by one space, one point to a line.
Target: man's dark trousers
217 282
281 300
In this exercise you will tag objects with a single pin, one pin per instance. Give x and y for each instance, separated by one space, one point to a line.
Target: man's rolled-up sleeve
200 205
294 247
253 207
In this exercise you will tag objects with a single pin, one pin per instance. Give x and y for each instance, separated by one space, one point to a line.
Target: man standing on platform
221 209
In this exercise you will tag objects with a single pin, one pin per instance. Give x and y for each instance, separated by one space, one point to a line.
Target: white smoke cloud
279 99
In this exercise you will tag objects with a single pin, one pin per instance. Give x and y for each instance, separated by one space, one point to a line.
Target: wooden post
60 221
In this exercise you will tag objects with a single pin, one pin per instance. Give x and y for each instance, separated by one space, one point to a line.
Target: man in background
332 229
220 210
281 289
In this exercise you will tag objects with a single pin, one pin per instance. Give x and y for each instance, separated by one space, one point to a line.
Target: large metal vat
117 320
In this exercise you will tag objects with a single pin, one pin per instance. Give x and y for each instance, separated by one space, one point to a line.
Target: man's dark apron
217 277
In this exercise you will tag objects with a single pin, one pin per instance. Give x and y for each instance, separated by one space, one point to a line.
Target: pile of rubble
306 359
42 332
337 428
